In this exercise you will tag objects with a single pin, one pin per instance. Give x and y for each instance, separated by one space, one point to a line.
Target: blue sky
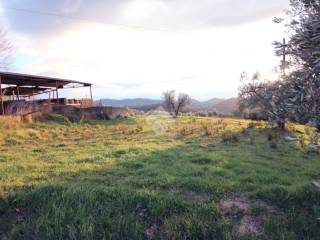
140 48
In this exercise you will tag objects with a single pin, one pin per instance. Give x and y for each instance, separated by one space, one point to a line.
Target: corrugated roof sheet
19 79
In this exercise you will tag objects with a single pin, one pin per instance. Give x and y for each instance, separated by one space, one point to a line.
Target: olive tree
295 96
263 100
303 51
176 105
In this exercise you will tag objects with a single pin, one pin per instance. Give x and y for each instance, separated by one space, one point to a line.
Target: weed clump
302 143
202 161
273 145
34 134
188 130
314 136
229 136
119 153
209 129
12 141
133 165
252 125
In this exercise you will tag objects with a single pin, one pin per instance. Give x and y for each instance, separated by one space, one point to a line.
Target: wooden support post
284 64
1 99
57 92
91 94
18 92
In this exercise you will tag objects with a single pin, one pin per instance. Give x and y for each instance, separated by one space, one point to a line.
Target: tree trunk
177 111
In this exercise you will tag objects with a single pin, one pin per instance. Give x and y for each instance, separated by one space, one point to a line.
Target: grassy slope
117 179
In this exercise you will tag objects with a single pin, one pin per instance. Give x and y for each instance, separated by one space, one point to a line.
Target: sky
141 48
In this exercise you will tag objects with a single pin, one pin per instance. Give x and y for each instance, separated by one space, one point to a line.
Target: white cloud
141 9
171 15
132 63
71 6
191 14
204 48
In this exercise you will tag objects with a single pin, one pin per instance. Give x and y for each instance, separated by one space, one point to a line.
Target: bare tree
173 105
183 102
170 101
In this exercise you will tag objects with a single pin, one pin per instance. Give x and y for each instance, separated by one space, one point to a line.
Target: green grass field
156 178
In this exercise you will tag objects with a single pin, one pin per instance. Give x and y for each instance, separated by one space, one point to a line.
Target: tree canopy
295 96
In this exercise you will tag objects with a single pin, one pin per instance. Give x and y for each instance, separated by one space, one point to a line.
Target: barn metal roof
19 79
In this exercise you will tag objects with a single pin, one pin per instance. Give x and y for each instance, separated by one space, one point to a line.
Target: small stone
314 147
316 184
291 139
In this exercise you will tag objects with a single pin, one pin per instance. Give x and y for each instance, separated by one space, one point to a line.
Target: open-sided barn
20 89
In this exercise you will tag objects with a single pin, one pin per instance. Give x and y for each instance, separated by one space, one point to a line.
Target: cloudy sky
140 48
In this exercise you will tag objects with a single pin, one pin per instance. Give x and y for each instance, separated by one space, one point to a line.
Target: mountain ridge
219 105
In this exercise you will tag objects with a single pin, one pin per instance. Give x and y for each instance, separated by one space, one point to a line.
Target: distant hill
221 106
227 106
213 101
205 105
132 102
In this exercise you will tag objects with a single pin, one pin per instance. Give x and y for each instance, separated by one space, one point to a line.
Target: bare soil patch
152 232
250 215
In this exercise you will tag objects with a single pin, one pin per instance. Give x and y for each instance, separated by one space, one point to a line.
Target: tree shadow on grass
82 212
56 119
